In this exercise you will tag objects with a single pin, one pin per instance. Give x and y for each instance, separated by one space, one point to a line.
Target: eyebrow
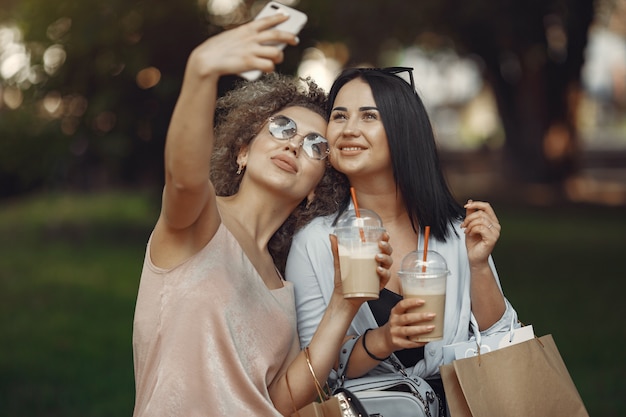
365 108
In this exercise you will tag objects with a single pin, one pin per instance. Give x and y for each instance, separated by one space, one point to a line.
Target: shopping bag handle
478 336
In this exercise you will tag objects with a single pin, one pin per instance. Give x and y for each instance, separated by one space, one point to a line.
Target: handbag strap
344 357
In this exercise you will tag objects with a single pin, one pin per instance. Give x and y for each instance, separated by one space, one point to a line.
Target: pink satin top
209 337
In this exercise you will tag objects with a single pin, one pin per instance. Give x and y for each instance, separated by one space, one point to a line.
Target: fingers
266 58
334 248
384 245
267 22
405 324
267 47
384 260
383 269
267 35
480 218
256 45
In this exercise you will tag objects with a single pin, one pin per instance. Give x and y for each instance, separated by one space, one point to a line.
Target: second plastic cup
426 280
358 239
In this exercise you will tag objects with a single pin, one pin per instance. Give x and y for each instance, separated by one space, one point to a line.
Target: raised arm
189 216
482 231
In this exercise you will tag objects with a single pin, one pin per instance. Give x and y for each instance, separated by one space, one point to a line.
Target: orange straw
426 235
357 212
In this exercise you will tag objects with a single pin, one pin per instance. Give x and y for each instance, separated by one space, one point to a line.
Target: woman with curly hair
215 323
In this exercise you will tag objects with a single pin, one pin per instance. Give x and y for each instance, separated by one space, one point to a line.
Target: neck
258 214
381 196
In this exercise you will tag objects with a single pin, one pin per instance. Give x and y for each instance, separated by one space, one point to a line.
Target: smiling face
356 133
281 164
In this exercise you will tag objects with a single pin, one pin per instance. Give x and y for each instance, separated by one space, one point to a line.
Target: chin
348 167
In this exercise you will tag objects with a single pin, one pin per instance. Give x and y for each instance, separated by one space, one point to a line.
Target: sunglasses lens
315 146
282 127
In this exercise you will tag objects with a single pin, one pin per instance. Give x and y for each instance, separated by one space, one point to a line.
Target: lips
351 148
285 163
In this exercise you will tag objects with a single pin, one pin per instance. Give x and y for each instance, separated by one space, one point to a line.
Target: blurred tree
107 73
531 52
101 118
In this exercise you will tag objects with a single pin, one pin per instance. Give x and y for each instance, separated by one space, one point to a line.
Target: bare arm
326 342
482 231
189 216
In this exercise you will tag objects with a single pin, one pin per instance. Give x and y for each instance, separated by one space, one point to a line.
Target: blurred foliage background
528 100
87 88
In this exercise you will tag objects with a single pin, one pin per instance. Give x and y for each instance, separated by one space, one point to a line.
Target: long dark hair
414 157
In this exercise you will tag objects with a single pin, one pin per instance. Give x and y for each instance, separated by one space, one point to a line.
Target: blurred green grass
563 269
69 272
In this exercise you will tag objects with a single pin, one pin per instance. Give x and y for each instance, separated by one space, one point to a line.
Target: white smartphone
294 24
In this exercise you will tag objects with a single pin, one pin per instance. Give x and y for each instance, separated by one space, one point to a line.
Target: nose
294 144
351 127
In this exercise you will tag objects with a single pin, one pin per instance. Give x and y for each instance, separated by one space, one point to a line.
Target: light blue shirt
310 268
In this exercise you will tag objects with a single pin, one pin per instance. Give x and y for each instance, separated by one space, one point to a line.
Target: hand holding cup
423 276
359 236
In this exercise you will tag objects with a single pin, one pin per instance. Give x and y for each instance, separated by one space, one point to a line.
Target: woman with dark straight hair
382 140
412 150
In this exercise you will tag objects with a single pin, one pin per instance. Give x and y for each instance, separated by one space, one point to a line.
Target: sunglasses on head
395 71
314 145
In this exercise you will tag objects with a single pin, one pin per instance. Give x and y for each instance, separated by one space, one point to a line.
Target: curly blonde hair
240 115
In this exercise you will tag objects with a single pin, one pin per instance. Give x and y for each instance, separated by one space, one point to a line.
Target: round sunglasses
314 145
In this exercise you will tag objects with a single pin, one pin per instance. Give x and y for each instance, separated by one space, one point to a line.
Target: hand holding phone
294 24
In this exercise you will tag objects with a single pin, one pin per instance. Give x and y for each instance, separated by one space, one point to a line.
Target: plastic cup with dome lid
358 233
423 275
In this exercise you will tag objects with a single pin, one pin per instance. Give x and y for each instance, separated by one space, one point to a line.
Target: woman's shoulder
322 225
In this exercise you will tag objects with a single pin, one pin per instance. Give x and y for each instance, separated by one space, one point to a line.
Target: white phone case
294 24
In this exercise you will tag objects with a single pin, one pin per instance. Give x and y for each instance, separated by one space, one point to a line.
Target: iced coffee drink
424 277
358 238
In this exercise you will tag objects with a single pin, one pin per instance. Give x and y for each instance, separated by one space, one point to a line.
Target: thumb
335 251
468 210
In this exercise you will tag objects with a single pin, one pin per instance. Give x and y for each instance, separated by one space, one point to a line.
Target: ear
310 198
242 157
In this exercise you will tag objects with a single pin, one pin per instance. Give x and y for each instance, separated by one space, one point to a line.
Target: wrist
342 307
368 351
200 68
480 268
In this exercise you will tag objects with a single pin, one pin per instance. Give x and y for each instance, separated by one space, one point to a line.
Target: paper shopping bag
496 341
526 379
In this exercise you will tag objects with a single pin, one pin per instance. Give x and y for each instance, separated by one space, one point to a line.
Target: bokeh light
53 58
222 7
148 77
14 58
